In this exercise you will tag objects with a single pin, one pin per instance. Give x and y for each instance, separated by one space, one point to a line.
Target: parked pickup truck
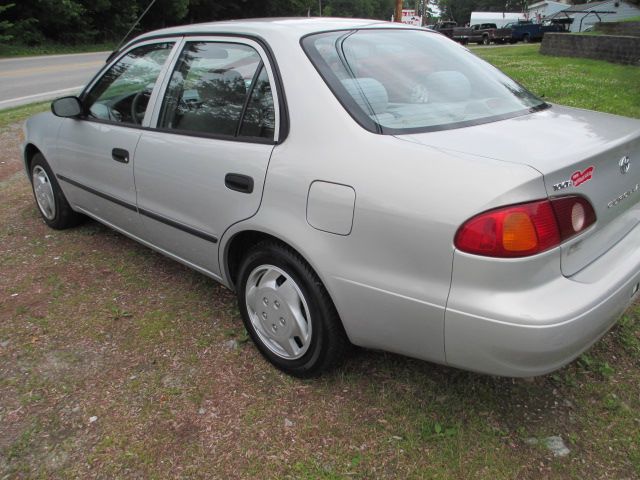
446 28
530 32
482 34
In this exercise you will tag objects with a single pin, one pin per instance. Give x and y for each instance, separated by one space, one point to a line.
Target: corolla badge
625 164
624 196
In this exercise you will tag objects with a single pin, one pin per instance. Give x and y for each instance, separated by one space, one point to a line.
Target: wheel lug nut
274 327
265 301
276 304
282 322
264 315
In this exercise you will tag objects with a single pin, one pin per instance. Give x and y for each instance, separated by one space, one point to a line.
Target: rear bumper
526 319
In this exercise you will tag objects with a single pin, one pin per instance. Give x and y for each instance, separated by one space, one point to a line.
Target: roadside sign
410 18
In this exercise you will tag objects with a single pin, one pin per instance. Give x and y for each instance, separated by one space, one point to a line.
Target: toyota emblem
625 164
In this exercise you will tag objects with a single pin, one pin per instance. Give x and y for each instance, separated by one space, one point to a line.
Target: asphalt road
26 80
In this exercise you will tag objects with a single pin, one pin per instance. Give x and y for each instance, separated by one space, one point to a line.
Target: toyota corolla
356 182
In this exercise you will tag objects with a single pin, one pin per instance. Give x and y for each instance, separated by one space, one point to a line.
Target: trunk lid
578 152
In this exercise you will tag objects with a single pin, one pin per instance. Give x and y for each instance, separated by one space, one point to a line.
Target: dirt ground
10 158
116 362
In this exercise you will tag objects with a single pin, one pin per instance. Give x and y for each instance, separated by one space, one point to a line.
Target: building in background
587 14
538 11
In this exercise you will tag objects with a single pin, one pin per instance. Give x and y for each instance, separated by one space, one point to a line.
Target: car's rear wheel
287 311
50 199
526 38
485 40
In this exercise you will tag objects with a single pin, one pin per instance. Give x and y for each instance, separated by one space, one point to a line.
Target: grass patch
629 332
155 325
8 50
591 33
20 114
577 82
21 446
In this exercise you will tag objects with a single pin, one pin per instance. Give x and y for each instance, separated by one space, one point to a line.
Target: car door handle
238 182
120 155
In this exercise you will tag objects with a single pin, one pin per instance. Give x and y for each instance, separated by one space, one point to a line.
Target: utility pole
320 7
398 15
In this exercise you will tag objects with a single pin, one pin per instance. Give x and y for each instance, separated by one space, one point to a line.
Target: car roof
295 27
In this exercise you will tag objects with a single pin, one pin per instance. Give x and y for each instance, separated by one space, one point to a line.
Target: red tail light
525 229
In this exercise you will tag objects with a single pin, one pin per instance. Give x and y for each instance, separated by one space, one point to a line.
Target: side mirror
66 107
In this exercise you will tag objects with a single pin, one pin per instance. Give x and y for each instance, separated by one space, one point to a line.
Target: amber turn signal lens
518 233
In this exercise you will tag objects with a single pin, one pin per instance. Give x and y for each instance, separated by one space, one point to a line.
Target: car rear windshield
395 81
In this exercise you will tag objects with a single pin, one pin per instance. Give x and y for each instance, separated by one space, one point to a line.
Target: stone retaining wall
613 48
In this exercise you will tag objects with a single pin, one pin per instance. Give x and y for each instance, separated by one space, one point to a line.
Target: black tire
327 342
526 38
61 216
485 40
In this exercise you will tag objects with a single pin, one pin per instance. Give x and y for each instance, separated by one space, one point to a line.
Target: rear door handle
120 155
238 182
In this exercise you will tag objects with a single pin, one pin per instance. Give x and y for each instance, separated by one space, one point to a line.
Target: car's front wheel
287 311
52 204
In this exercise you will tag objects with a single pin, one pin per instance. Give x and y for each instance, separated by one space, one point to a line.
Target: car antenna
131 30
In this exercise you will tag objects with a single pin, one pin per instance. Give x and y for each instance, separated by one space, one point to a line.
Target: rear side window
395 81
219 89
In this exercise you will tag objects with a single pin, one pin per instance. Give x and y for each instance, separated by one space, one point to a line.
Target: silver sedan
356 182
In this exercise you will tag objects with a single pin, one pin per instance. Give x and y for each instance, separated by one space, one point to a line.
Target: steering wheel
137 116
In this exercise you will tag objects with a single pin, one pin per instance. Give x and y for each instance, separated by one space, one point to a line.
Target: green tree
457 10
61 20
5 24
111 19
379 9
211 10
77 21
164 13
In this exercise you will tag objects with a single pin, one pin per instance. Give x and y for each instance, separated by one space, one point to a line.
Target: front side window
219 89
122 94
405 81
